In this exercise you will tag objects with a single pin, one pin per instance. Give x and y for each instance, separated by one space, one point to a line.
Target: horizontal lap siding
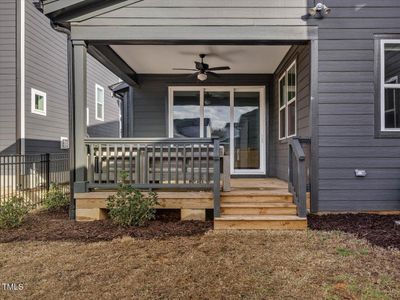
192 19
98 74
7 76
279 149
346 110
46 70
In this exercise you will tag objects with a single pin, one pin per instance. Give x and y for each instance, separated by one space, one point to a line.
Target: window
38 102
99 103
287 103
390 85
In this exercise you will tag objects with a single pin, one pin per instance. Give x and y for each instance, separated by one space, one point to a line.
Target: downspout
71 108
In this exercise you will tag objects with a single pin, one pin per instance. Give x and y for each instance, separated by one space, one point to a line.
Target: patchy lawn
55 258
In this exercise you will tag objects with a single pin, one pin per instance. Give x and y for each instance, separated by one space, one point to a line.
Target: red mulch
55 226
379 230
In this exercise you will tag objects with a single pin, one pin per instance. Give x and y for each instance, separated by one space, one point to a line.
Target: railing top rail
297 149
147 140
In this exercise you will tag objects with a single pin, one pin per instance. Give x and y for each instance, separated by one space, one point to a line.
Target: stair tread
256 193
258 204
259 218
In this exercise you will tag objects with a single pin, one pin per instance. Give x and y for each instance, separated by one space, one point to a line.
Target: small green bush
55 198
13 212
129 207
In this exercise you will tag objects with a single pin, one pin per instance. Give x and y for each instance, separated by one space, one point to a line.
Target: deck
252 203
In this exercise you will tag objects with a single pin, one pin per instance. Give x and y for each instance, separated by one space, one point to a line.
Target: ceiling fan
202 69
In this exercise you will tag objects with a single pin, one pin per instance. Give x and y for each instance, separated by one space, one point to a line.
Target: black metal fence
29 176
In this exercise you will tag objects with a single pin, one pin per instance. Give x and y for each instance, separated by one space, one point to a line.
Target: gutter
71 106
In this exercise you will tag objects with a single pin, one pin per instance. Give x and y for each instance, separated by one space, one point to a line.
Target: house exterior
33 64
311 97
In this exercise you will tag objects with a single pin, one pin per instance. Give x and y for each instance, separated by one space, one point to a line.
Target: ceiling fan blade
183 69
220 68
212 74
193 75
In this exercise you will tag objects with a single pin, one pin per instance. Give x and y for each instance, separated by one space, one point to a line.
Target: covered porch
199 140
201 112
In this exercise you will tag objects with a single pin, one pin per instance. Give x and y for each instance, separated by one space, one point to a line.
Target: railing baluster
154 163
130 164
184 164
169 163
108 164
192 162
161 163
177 164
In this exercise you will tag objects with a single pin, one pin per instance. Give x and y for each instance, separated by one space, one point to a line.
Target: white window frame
99 87
386 85
35 92
287 103
231 89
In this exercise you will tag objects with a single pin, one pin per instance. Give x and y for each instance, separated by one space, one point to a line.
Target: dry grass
237 265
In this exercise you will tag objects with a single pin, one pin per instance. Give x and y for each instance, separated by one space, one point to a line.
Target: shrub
55 198
129 207
13 212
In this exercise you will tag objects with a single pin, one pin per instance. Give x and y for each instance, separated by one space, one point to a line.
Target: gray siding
279 148
150 100
98 74
46 70
346 110
7 76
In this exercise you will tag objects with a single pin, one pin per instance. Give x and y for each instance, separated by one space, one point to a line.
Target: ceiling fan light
202 76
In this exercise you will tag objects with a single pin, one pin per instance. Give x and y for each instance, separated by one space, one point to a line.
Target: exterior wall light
319 11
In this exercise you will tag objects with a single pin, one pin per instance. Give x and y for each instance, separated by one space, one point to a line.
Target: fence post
216 179
47 168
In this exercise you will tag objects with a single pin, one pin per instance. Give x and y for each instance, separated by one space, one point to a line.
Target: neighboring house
34 85
325 85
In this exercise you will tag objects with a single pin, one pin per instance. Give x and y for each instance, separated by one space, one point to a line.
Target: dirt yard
195 264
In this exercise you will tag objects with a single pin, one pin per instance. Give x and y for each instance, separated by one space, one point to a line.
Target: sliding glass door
235 114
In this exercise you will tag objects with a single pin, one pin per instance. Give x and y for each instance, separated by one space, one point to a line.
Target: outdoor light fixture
202 76
319 11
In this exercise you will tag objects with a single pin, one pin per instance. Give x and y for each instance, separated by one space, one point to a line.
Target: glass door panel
186 114
217 116
246 146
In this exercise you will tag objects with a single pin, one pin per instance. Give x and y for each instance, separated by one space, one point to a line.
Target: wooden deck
252 203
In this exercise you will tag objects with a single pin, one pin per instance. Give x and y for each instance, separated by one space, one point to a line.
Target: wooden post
226 177
80 133
216 179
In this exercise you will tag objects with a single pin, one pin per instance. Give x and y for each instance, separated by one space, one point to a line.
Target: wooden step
275 222
254 208
259 198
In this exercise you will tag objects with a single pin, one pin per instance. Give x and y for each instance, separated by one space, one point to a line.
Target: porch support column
80 91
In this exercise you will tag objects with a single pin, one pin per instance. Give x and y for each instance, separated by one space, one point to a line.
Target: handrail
297 183
171 163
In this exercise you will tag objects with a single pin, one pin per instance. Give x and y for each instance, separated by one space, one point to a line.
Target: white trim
22 79
384 85
231 90
287 102
99 87
87 116
35 92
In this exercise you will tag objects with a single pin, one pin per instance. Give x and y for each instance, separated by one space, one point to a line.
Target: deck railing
298 175
160 163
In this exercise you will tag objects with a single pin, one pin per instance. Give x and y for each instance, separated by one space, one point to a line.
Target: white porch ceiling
161 59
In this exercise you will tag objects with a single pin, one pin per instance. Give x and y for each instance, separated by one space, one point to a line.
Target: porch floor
252 203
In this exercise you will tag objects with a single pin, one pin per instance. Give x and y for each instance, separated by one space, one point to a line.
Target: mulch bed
379 230
55 226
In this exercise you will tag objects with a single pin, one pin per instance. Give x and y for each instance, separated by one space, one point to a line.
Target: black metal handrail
298 176
156 163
